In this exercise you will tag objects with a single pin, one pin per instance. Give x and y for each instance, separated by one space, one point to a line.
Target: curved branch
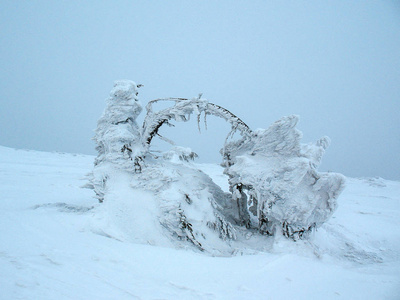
184 107
235 121
150 104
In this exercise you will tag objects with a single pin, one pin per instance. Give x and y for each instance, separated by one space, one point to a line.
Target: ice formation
274 183
273 179
117 135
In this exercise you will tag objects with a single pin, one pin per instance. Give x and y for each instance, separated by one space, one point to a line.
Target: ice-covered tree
274 183
117 134
185 203
273 177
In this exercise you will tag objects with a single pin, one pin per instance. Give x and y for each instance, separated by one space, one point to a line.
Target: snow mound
167 204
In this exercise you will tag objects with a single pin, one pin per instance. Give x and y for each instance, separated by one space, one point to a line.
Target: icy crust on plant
151 200
274 180
117 134
165 200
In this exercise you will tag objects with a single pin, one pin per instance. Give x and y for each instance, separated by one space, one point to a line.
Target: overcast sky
336 64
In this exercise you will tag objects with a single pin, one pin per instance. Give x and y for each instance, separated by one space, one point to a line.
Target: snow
58 242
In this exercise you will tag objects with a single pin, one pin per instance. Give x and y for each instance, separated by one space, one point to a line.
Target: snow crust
56 244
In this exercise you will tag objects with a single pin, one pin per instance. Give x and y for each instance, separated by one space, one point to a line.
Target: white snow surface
58 242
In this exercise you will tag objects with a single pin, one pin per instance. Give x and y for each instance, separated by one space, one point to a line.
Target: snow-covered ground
50 249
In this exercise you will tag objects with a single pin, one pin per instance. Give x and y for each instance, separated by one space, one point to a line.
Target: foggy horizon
335 64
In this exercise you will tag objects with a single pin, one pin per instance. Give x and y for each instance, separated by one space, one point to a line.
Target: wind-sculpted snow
117 134
274 184
168 203
190 205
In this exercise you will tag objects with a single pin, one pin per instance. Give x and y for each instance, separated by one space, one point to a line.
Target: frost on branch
181 111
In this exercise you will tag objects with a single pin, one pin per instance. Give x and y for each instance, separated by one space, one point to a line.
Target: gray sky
334 63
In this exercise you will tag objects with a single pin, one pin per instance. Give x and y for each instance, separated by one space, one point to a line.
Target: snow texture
55 243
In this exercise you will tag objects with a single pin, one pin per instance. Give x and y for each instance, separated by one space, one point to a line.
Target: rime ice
275 182
275 187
